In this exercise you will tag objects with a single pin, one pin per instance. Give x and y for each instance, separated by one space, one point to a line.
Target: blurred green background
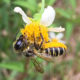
14 67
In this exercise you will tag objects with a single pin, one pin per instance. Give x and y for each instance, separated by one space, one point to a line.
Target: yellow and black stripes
55 51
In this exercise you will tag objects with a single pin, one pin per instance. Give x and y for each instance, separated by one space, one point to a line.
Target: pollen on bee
55 40
54 44
33 30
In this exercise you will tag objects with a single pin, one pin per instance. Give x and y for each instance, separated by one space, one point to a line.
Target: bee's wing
38 65
57 29
44 56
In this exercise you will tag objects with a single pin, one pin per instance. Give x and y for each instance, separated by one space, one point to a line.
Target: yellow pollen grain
55 40
33 30
54 44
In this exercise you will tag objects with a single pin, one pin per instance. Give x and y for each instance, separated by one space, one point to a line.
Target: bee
48 50
23 45
34 39
44 50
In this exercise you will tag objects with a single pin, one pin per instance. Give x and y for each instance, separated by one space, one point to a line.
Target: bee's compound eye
18 45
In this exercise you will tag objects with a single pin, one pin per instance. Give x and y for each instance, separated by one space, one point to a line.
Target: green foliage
27 4
37 16
63 13
77 48
7 1
73 3
63 65
17 66
42 7
69 29
13 75
50 2
10 24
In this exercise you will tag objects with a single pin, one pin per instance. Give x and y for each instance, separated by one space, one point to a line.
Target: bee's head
20 44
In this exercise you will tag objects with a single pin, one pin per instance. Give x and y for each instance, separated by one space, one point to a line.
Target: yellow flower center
33 30
55 40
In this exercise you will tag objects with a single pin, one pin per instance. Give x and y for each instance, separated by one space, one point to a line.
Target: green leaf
69 28
18 66
73 3
27 4
37 16
63 13
7 1
42 6
5 19
50 2
33 3
78 47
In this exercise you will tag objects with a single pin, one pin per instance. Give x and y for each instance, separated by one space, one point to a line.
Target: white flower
47 18
24 16
59 36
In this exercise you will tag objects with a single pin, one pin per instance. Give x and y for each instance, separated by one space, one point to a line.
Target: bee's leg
41 38
41 41
43 56
28 53
35 44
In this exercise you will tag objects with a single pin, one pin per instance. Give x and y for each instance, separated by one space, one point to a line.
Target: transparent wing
44 56
38 65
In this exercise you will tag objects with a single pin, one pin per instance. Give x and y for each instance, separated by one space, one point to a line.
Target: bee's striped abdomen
62 50
55 51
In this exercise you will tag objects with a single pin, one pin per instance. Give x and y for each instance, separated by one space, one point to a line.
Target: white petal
57 29
60 36
62 41
52 35
48 16
24 16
